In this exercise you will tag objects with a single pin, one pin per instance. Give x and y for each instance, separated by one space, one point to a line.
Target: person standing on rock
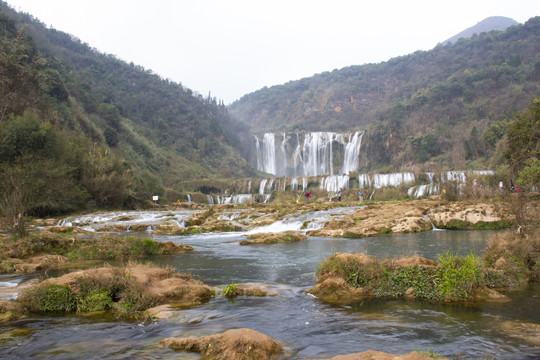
361 196
339 195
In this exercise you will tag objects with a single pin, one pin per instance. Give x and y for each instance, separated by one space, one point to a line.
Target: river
305 326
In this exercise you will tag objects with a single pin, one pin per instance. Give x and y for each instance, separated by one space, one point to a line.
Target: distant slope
161 128
489 24
444 107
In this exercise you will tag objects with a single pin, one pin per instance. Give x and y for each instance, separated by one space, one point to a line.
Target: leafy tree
523 138
105 178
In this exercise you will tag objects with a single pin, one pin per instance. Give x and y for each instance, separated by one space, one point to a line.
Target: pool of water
305 326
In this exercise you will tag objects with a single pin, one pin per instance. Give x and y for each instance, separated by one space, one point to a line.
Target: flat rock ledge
238 344
273 238
377 355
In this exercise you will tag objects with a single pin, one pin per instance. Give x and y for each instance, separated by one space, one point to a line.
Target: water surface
303 324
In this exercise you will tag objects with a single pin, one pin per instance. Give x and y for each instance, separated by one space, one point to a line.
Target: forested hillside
447 107
93 119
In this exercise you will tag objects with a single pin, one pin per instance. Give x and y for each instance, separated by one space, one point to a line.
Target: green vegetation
453 278
449 106
510 260
96 248
106 133
118 293
230 290
456 224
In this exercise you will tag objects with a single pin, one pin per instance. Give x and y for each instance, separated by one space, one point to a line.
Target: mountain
446 107
488 24
167 136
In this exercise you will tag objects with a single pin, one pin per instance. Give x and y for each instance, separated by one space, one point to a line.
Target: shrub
51 298
457 277
230 290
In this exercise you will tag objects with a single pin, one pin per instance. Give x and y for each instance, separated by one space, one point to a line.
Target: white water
334 183
91 222
315 220
352 153
394 179
312 157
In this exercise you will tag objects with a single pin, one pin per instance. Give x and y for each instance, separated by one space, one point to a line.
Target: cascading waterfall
297 156
364 182
312 156
352 153
334 183
270 185
294 184
394 179
262 186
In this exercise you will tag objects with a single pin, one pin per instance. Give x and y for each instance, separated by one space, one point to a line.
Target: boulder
238 344
10 310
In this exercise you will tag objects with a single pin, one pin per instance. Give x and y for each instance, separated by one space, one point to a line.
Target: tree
105 178
523 138
35 186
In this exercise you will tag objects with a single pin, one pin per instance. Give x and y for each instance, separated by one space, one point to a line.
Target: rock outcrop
238 344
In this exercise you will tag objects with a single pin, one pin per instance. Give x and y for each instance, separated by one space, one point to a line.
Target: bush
90 293
457 277
51 298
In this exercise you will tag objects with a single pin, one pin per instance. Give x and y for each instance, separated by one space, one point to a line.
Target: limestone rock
238 344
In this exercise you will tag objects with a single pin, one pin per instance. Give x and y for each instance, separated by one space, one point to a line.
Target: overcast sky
233 47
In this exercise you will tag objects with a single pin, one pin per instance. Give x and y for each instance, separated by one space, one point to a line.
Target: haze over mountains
447 107
488 24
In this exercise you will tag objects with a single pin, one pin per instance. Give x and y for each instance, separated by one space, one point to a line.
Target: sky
229 48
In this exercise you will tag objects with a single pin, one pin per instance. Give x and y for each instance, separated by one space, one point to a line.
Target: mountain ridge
428 106
491 23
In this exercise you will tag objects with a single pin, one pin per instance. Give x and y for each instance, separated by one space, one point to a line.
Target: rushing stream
305 326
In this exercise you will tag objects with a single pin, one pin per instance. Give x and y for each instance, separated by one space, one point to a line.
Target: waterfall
210 200
394 179
262 186
317 153
458 176
313 156
269 154
294 184
297 156
352 153
282 156
304 183
334 183
270 185
364 181
423 190
249 187
258 152
188 198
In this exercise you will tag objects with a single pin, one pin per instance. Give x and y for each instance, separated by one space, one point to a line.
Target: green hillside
448 107
157 134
